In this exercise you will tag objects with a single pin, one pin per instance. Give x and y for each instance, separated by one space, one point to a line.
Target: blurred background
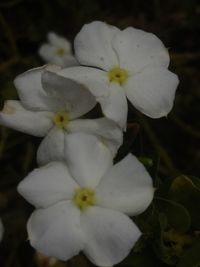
169 147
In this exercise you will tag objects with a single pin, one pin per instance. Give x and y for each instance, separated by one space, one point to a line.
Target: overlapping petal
59 42
94 79
107 130
15 116
110 235
127 187
47 52
93 45
111 96
137 49
56 231
115 106
52 147
48 185
152 91
87 158
30 90
67 95
66 61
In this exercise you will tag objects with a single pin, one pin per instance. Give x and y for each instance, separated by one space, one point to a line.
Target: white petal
15 116
66 61
29 88
107 130
47 185
93 45
152 91
50 51
50 54
55 231
47 53
110 235
94 79
87 158
51 147
115 105
67 95
137 49
127 187
59 42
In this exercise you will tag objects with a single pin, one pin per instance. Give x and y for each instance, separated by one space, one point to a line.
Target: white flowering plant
89 191
57 51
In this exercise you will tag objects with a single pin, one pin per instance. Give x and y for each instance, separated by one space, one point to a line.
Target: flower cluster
83 201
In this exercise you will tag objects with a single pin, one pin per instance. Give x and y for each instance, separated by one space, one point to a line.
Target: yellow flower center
84 198
61 119
118 75
60 51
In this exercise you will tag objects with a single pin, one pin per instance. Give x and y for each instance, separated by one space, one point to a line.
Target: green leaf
177 216
147 221
186 191
147 162
191 257
196 182
183 183
146 258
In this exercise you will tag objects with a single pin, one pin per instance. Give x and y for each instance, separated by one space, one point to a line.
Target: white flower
1 230
83 206
57 51
49 106
118 64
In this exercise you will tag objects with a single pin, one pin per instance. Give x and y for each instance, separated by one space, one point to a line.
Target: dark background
172 143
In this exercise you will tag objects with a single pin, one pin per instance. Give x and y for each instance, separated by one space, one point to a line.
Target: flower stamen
60 52
118 75
61 119
84 198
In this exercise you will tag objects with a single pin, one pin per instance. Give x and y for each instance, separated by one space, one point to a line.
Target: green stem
158 147
185 127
